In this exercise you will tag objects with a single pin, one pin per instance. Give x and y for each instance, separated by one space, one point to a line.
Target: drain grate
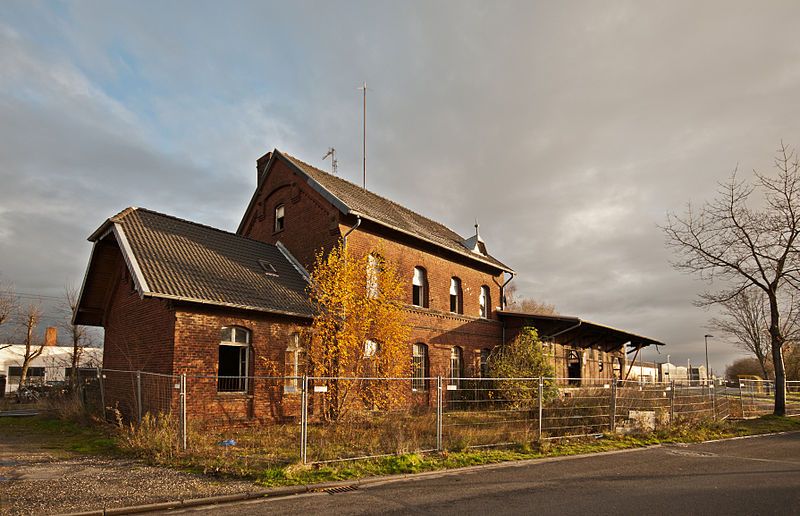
340 489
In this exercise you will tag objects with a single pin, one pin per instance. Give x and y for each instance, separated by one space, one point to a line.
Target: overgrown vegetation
253 455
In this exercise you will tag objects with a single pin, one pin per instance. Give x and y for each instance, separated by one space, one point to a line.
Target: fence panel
793 398
257 417
480 412
693 402
367 417
577 407
643 406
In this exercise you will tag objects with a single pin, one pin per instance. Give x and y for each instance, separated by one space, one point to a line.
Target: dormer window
279 220
485 301
456 296
419 289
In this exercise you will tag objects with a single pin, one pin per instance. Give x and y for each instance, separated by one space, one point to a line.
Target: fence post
139 396
439 411
541 395
304 421
671 401
741 398
184 423
713 400
102 392
613 405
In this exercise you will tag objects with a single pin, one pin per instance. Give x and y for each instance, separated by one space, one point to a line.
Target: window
456 355
294 364
485 302
419 380
485 363
419 295
373 272
35 374
371 350
279 217
234 360
456 297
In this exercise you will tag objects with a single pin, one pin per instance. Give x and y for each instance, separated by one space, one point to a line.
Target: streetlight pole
706 337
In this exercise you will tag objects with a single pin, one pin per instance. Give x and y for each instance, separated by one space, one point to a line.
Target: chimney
51 336
260 164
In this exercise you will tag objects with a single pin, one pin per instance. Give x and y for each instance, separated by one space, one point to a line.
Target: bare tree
30 318
78 336
743 367
525 304
8 305
743 247
745 322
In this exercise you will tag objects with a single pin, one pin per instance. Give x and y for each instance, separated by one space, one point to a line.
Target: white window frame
484 301
280 218
420 281
243 347
456 365
419 372
457 291
296 351
373 273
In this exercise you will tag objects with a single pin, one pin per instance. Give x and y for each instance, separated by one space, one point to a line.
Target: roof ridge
395 203
198 224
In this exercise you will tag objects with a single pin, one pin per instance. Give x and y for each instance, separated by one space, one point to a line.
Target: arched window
234 359
419 289
279 220
294 364
485 362
419 364
456 296
456 365
373 275
485 301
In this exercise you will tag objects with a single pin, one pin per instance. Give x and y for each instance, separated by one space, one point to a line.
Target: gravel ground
33 481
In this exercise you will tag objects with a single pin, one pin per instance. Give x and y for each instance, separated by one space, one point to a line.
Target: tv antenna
364 140
334 162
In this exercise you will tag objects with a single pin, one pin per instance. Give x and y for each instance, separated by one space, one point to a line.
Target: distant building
53 365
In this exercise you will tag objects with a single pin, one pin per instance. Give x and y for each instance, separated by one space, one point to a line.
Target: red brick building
179 297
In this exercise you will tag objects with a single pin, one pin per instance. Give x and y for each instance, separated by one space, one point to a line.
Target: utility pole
364 138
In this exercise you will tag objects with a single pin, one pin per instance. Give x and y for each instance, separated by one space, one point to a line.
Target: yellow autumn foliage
359 332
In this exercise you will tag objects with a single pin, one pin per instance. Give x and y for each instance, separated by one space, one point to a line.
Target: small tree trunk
24 373
777 356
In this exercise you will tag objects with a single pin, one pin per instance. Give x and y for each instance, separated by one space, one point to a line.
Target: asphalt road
745 476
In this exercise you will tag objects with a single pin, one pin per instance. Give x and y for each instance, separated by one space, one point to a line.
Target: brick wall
138 337
311 222
436 326
197 338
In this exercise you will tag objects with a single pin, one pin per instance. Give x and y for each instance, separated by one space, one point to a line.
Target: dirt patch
39 477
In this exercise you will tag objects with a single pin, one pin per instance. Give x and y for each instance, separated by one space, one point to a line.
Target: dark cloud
568 129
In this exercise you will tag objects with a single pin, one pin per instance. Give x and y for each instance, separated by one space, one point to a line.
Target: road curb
278 492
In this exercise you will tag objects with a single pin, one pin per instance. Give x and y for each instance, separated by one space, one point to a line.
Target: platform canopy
576 330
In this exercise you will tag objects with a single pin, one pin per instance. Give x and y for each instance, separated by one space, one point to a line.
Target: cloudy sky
569 129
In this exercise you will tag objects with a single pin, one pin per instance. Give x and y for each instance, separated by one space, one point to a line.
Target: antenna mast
334 162
364 141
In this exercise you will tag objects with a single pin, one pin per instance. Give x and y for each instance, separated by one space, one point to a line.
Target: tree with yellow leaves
359 332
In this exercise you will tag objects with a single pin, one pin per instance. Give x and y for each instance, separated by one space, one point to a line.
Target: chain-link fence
278 420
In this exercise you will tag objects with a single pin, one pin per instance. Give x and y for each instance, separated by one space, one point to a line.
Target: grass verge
54 435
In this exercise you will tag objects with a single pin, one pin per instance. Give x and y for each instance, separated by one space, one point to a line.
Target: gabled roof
177 259
352 199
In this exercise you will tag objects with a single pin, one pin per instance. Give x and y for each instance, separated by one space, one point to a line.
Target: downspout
358 223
